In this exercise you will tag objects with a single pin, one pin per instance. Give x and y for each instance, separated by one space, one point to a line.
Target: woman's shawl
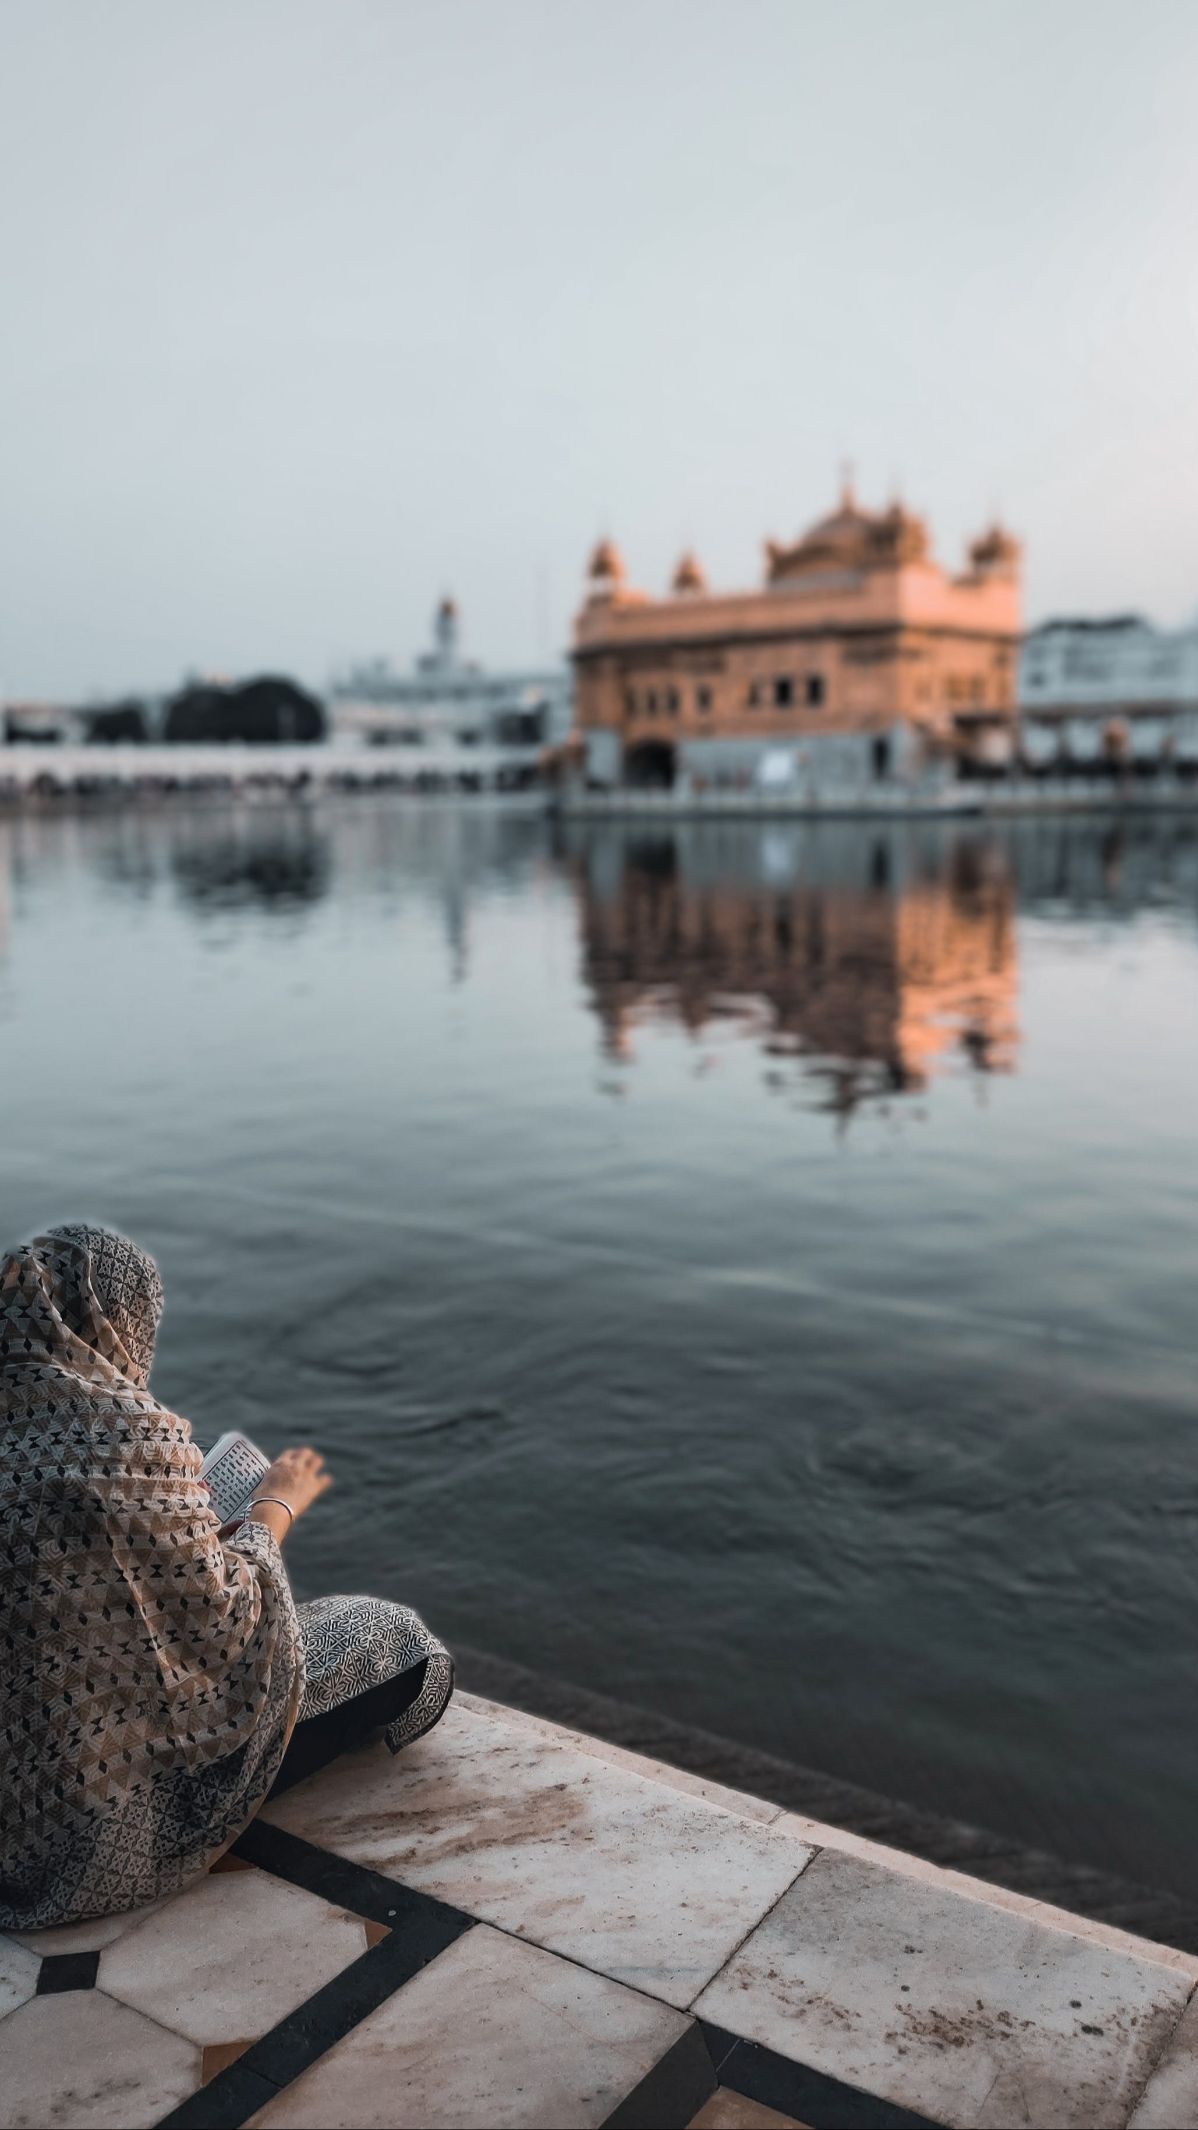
150 1673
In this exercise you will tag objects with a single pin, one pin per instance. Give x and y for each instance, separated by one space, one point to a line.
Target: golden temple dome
843 526
851 538
690 575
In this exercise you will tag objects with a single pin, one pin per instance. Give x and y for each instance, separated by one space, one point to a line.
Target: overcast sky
314 309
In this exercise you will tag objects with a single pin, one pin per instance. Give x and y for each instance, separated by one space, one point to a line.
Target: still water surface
749 1270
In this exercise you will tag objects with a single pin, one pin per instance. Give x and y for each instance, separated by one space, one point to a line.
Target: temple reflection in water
875 958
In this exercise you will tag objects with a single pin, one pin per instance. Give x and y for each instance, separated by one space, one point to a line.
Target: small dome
689 575
606 562
996 549
898 536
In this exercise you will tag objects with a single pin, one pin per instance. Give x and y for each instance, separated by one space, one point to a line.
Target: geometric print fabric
150 1672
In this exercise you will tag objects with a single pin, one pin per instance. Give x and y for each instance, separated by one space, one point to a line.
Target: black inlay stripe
419 1929
226 2103
673 2091
334 1878
350 1997
824 2103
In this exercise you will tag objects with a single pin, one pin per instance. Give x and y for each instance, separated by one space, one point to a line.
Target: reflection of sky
910 1403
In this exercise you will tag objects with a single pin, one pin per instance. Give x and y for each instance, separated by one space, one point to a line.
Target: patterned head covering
124 1306
151 1671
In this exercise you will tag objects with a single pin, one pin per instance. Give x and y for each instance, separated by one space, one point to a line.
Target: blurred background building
460 714
1114 692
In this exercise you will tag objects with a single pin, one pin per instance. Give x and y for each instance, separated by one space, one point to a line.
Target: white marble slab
492 2034
230 1957
820 1835
1170 2099
740 1802
18 1974
635 1880
74 2060
950 2007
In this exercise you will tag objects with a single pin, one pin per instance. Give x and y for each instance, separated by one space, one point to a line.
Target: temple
859 660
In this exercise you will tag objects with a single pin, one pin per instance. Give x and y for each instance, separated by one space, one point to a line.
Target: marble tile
1170 2099
618 1756
634 1880
18 1974
84 1937
83 2062
797 1827
727 2110
492 2033
225 1961
948 2006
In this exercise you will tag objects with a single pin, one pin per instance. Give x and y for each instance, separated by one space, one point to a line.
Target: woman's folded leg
316 1740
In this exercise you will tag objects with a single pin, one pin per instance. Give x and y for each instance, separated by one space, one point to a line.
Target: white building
452 716
45 724
1110 693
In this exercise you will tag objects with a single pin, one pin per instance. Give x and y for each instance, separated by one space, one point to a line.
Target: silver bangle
279 1503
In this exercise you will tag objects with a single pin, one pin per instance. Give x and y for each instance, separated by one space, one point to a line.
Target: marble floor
512 1924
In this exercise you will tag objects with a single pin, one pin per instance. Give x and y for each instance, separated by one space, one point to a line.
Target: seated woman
156 1677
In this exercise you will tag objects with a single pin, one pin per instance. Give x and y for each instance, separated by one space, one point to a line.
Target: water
749 1270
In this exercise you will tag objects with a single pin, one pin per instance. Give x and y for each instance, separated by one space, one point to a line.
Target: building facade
1113 694
859 660
450 714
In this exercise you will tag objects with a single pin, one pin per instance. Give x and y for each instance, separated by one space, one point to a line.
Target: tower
605 571
445 633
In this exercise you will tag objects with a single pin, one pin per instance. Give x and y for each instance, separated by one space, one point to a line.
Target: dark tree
270 709
118 721
198 714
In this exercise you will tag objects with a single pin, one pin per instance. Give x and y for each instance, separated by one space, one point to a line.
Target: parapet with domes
854 570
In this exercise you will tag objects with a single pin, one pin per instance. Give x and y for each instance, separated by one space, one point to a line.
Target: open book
234 1469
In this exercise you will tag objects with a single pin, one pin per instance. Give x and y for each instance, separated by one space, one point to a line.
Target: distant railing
36 771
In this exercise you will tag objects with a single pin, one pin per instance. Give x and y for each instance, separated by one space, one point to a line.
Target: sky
316 309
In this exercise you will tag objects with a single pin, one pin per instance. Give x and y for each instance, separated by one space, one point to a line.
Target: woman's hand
297 1477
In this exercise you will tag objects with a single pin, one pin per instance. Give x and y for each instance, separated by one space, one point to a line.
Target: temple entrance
650 765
